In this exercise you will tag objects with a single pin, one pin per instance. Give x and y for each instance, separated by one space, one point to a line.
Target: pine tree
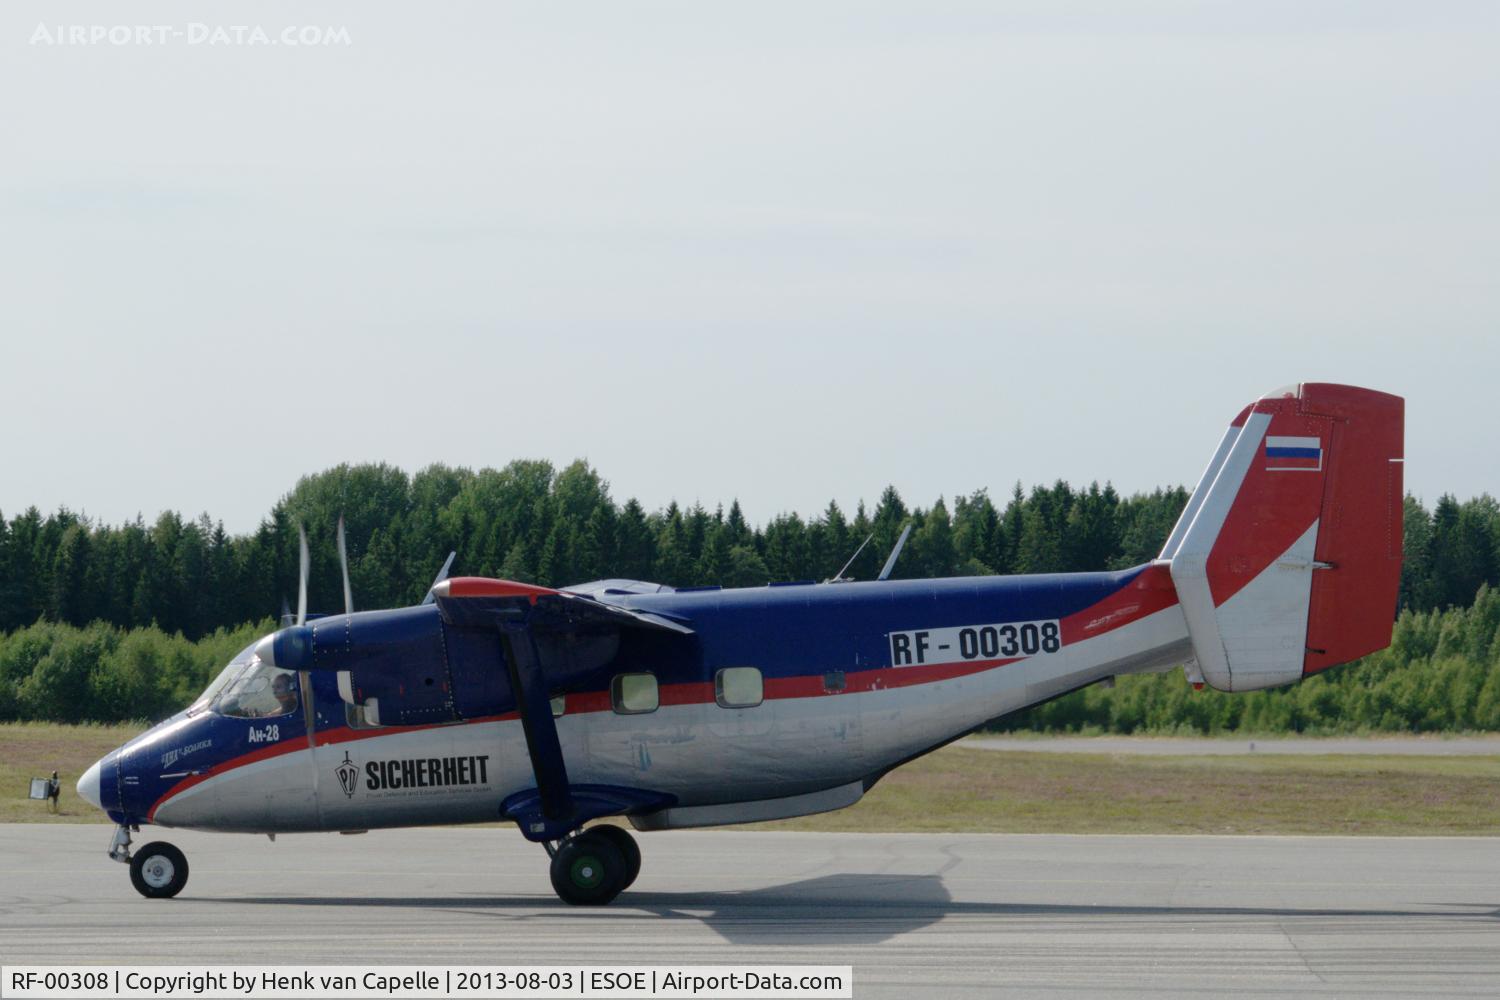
714 565
634 546
746 568
674 564
834 546
932 542
70 595
739 530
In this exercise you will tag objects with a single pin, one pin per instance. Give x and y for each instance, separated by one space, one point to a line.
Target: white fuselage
701 753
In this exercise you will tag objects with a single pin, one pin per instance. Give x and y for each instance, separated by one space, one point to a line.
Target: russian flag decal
1294 454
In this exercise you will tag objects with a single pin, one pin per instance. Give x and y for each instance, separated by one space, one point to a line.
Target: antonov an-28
553 708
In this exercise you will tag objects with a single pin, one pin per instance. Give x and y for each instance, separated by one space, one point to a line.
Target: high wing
467 601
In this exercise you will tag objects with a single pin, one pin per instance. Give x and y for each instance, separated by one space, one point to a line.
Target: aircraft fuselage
856 678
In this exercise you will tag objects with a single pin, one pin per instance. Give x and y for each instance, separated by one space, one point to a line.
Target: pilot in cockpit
285 690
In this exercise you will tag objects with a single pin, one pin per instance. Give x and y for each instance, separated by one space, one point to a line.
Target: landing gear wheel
158 870
588 870
631 851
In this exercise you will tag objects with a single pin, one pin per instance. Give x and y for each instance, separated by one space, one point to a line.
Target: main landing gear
593 866
158 870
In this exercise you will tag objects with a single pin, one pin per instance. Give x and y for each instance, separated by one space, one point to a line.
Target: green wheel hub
586 871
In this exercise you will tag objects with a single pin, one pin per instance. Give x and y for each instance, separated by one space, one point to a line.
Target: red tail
1288 557
1359 534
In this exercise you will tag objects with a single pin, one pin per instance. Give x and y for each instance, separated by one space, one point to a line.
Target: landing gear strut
158 870
593 867
119 848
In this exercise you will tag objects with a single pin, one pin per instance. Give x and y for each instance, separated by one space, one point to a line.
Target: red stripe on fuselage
1150 591
1147 592
325 737
254 756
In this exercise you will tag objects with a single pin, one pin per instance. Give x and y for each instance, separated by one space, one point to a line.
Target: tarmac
915 914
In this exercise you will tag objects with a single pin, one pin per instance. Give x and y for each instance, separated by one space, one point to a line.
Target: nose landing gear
158 870
591 868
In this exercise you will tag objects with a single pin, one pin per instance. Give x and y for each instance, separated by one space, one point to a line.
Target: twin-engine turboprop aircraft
552 708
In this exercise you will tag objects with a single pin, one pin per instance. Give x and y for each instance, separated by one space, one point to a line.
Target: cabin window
739 687
559 706
261 692
634 694
354 715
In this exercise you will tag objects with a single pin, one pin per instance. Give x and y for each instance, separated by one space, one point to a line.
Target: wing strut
556 807
542 744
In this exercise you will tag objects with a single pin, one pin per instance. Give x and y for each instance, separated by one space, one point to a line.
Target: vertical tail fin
1287 558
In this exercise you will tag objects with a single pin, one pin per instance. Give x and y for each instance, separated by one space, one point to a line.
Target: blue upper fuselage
788 630
443 674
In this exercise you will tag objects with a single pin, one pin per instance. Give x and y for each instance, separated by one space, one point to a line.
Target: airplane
555 708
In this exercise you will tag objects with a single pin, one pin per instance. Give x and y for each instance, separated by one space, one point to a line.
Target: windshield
240 661
260 692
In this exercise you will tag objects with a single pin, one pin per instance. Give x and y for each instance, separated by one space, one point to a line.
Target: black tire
588 870
628 848
158 870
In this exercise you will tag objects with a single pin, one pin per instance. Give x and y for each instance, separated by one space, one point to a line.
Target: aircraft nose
88 786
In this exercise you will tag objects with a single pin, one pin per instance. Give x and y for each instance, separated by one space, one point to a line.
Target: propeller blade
344 565
302 576
442 575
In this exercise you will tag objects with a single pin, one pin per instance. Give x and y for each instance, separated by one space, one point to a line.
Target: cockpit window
235 666
261 692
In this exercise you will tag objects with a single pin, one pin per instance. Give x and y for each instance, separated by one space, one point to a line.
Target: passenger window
261 692
355 716
739 687
634 694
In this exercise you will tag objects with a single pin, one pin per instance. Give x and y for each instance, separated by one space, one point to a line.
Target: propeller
344 565
302 575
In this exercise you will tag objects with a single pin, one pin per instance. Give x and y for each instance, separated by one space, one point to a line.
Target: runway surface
1188 747
959 915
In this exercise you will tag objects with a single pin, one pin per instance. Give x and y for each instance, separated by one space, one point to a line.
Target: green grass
36 749
962 790
965 790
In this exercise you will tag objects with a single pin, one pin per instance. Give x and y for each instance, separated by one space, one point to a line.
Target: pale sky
779 252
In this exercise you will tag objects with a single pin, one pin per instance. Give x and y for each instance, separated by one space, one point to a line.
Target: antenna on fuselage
890 563
839 577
